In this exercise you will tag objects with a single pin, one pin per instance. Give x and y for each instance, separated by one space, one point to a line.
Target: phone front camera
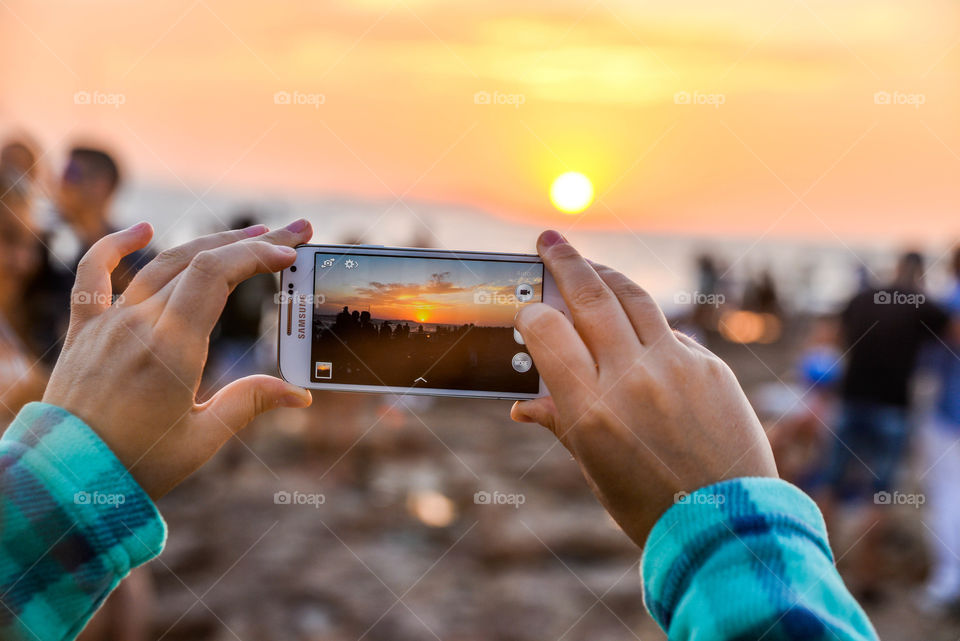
293 268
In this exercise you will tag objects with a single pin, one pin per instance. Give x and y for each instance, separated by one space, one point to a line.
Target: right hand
131 370
645 411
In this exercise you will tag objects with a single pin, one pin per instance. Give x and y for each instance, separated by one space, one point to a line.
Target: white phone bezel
293 349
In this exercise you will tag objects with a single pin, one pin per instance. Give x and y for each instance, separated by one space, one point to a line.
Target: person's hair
101 162
13 192
9 161
910 269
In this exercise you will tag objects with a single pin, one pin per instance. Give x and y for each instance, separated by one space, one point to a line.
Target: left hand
645 411
131 369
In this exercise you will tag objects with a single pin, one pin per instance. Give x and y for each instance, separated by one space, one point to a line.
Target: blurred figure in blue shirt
941 470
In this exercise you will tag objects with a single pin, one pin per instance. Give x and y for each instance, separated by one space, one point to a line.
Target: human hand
130 370
645 411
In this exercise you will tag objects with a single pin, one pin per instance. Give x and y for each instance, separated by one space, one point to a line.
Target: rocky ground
399 548
382 537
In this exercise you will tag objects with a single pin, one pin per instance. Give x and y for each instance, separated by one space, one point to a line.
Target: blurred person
675 453
710 297
19 161
800 439
83 199
882 332
48 304
23 166
20 170
941 454
87 187
760 295
21 379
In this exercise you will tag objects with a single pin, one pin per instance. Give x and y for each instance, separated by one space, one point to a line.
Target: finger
691 342
92 290
539 410
171 262
644 313
597 313
198 294
236 404
563 361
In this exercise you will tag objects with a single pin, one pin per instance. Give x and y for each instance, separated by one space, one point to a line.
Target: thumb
243 400
539 410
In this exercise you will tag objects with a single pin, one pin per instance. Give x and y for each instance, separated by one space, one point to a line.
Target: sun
571 192
422 317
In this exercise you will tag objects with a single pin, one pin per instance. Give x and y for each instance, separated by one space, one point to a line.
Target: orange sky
799 146
442 291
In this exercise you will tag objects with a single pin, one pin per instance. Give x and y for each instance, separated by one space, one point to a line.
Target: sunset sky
751 118
440 291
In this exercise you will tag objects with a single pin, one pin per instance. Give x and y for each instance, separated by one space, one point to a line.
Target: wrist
80 473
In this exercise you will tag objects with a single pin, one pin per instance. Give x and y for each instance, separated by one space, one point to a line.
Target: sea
812 276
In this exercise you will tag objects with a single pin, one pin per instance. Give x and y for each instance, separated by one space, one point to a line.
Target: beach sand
362 561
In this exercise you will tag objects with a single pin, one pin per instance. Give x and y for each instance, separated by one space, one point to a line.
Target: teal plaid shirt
747 559
73 523
742 559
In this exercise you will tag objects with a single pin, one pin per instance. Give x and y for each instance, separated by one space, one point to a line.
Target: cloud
410 294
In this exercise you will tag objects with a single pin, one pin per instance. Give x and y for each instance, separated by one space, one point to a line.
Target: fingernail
551 238
139 226
297 225
255 230
517 414
293 400
287 252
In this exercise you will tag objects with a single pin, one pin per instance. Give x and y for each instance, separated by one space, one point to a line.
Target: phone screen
404 321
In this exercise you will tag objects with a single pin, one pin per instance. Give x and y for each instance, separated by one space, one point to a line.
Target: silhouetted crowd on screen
354 326
400 353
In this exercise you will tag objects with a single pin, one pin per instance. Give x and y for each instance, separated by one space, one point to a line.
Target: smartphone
362 318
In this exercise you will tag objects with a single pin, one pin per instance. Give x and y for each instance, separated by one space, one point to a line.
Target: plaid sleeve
747 559
73 523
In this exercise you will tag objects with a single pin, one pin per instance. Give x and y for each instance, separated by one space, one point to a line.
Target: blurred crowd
870 428
869 424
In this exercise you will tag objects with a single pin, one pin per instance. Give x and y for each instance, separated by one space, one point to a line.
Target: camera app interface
442 323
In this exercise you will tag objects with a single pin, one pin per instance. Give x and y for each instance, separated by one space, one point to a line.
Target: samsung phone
361 318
